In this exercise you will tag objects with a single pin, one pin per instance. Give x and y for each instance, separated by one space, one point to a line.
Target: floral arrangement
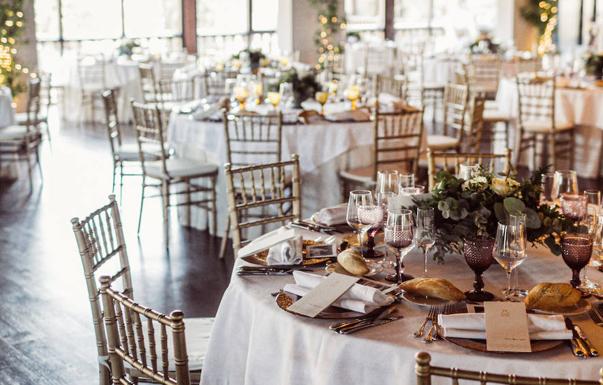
484 44
465 209
126 48
255 57
594 64
304 85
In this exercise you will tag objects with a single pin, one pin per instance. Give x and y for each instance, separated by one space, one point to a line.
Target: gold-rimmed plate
423 301
260 258
580 308
480 345
284 300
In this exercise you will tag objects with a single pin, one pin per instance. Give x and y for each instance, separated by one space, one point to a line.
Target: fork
433 317
419 333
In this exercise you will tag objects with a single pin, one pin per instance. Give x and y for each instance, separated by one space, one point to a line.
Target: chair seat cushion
434 86
362 175
543 127
441 142
16 132
22 118
181 168
493 116
129 153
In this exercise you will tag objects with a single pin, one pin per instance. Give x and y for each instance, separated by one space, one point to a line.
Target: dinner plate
260 258
480 345
284 300
581 307
423 301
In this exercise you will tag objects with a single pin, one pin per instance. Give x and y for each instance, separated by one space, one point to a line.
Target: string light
329 24
12 23
548 16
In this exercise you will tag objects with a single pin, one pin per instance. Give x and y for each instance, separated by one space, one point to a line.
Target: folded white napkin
344 303
208 112
288 252
370 297
330 216
473 325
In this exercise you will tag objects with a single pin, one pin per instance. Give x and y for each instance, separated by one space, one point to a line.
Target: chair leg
165 195
214 206
39 164
141 205
188 203
551 149
29 173
225 239
121 181
104 375
113 180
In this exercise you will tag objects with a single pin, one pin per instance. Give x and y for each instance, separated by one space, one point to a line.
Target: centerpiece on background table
304 84
255 58
467 213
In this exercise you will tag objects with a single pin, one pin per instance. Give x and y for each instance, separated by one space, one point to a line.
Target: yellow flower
503 186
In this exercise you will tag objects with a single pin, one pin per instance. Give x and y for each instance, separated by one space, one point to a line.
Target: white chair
456 103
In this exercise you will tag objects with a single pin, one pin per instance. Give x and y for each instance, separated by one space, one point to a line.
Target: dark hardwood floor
46 334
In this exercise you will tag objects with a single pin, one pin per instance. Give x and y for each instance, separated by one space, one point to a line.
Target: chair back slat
215 83
536 99
437 161
150 134
92 71
393 85
179 90
424 372
475 125
112 120
244 195
483 73
119 355
148 82
253 139
100 258
456 101
397 140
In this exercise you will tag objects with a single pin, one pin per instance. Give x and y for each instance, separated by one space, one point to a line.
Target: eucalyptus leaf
499 211
532 219
514 205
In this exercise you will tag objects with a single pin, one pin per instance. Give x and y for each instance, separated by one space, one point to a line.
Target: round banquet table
582 107
254 342
324 150
7 112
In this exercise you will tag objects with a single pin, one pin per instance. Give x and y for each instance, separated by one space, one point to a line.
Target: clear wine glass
509 250
547 180
425 233
517 219
388 181
564 181
467 171
399 234
370 216
573 207
357 198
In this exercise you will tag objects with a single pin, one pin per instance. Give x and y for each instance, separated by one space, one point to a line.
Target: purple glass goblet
576 250
478 254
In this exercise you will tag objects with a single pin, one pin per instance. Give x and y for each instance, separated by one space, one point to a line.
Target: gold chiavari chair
148 83
456 104
262 187
396 146
484 73
251 139
214 83
425 372
393 85
167 171
92 73
124 155
172 92
35 91
474 127
437 161
132 329
102 247
538 129
19 143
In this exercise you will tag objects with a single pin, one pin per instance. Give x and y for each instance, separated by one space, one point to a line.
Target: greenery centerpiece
466 209
255 57
484 44
594 65
304 85
126 48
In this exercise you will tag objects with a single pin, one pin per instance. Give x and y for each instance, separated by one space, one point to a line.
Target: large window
74 26
228 26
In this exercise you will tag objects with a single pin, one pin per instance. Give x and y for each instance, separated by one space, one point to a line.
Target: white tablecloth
582 107
7 112
324 150
253 342
122 74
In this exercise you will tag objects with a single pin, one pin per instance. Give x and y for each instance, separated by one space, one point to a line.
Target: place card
266 241
507 327
323 295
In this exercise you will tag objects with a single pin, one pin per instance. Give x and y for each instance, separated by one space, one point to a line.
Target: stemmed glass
322 98
406 180
576 249
358 198
425 233
467 171
478 255
593 208
517 219
399 234
564 181
370 216
274 98
286 91
573 207
547 180
509 251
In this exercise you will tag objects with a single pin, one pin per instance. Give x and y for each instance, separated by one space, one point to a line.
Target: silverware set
314 227
269 270
387 315
434 331
581 345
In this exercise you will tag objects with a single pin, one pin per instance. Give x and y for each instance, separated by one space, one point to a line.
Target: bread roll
552 296
433 288
351 260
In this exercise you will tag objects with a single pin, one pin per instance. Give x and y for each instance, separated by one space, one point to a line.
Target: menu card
323 295
507 327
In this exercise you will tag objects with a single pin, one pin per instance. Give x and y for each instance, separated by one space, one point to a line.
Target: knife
592 351
370 325
579 348
368 322
339 325
279 272
273 268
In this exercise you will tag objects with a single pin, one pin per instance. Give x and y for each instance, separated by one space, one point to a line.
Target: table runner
254 342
